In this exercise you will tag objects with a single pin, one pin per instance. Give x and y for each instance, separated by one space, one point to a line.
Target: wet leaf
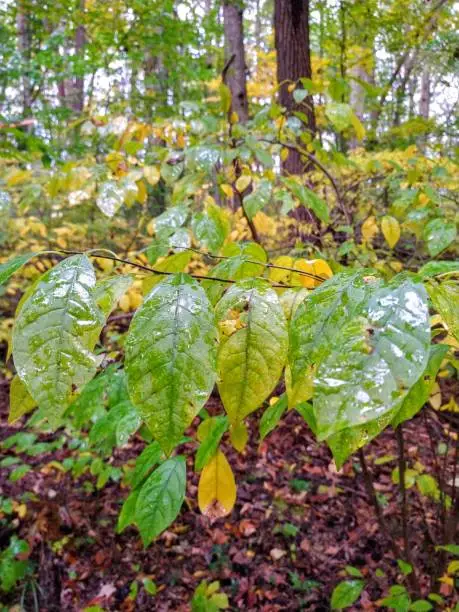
445 298
380 356
217 488
170 357
21 402
11 266
250 358
161 498
145 462
53 335
438 235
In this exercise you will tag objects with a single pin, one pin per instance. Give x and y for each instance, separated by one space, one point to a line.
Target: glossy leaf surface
53 336
375 359
253 346
170 357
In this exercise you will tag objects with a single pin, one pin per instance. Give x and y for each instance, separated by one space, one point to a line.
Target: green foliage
346 593
53 339
12 567
170 357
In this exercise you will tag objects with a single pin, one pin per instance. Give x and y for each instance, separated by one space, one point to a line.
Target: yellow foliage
217 487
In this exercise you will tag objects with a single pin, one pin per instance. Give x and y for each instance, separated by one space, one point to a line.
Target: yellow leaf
227 190
239 436
17 177
369 229
284 154
243 182
152 174
217 487
317 267
142 193
435 397
124 303
358 127
390 228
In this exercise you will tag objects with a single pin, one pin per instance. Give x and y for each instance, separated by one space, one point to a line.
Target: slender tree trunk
424 102
234 53
80 42
24 47
291 23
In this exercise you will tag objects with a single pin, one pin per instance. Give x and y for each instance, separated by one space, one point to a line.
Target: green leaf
434 268
110 197
438 235
346 593
420 392
171 219
174 263
240 265
145 462
272 415
353 571
211 227
299 95
291 299
421 605
259 198
453 549
109 290
161 498
53 335
308 198
445 298
380 356
19 472
149 586
127 514
215 428
21 402
322 313
170 357
339 115
405 567
307 412
11 266
253 346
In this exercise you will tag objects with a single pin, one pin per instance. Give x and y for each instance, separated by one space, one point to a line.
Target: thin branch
162 273
405 529
260 263
368 480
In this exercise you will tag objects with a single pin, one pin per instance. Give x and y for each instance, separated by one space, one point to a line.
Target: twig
405 530
376 505
154 271
266 265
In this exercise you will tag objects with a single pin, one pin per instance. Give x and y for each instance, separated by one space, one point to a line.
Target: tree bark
24 47
80 42
424 102
234 48
291 24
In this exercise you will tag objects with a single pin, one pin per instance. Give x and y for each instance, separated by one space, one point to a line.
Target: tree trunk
291 23
424 102
24 47
80 42
234 53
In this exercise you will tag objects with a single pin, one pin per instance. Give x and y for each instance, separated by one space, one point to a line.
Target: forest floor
297 523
